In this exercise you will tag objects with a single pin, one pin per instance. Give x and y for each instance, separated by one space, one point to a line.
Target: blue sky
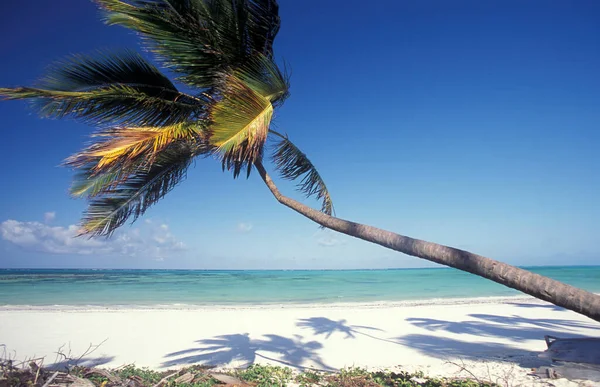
468 123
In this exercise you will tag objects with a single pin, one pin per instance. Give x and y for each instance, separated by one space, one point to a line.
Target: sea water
198 287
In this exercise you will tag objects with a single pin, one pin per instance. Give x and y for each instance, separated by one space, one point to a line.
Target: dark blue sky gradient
469 123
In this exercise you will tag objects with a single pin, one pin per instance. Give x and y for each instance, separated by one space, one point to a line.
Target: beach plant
360 377
309 378
147 375
150 131
266 375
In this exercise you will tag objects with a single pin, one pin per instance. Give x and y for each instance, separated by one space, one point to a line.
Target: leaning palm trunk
538 286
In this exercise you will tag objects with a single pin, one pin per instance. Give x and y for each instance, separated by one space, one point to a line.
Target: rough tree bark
544 288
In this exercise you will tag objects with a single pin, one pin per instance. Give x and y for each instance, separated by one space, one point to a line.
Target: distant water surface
196 287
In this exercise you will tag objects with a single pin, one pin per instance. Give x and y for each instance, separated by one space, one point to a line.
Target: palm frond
263 24
239 120
199 39
263 76
88 182
150 131
129 197
123 146
293 164
91 181
239 125
117 88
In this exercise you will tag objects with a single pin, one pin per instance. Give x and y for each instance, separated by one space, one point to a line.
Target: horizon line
242 270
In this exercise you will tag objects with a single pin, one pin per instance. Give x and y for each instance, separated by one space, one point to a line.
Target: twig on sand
50 379
90 349
75 362
163 380
37 368
464 368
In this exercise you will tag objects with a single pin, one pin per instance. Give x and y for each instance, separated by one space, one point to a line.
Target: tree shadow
241 348
297 352
84 362
546 323
541 306
448 348
327 327
511 327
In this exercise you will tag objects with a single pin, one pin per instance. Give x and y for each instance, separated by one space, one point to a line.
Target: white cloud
49 216
244 227
149 241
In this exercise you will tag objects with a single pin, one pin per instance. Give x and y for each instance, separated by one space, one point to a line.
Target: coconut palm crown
148 131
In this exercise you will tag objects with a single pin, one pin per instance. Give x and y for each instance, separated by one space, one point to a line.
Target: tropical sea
155 288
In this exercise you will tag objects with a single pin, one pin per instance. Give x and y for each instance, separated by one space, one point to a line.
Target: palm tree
149 131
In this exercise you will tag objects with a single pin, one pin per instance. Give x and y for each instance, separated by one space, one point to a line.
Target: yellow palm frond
240 125
124 145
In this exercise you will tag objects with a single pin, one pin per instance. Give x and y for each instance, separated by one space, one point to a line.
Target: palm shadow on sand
243 350
513 328
445 348
327 327
540 306
295 351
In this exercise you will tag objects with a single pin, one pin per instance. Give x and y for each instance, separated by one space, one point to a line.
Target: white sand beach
493 338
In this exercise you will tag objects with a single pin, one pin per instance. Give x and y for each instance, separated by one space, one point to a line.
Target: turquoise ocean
148 288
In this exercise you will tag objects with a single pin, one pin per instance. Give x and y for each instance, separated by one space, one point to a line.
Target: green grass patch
266 375
256 375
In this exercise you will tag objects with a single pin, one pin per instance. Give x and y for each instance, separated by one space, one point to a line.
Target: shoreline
290 305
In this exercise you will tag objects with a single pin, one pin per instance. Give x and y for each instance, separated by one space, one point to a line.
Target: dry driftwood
185 378
73 381
228 379
581 350
104 373
50 379
574 359
166 378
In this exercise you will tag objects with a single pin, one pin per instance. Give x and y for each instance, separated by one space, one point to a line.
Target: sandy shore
494 338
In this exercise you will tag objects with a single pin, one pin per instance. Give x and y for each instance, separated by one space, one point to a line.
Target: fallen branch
464 368
50 379
101 372
71 362
163 380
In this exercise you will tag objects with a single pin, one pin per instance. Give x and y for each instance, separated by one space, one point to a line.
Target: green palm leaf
199 39
150 131
262 75
239 125
240 120
263 24
88 182
116 89
119 198
293 164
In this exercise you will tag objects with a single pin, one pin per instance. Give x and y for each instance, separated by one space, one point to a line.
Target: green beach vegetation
254 376
150 131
